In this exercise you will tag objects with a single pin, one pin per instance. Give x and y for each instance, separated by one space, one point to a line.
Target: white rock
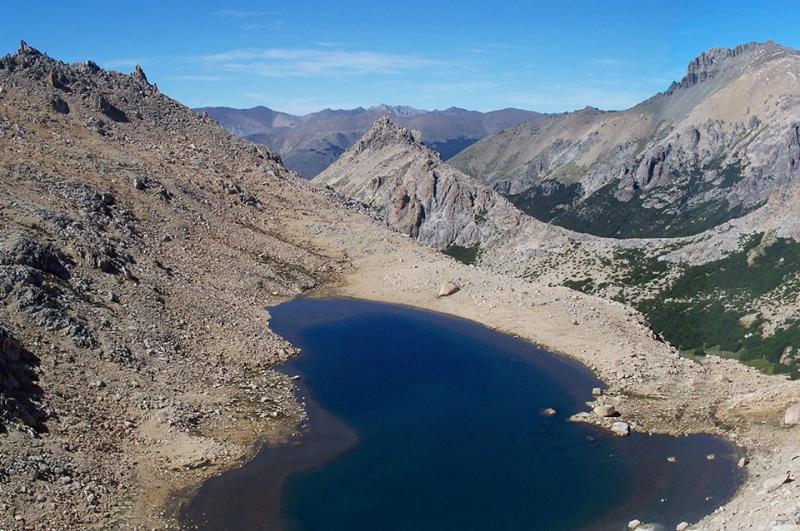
682 526
549 412
633 524
597 391
792 415
447 288
604 410
621 428
775 483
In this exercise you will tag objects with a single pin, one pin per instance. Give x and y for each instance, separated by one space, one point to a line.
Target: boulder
59 105
621 429
605 410
447 289
634 524
549 412
775 483
597 391
792 415
682 526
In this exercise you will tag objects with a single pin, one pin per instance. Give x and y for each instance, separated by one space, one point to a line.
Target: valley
141 243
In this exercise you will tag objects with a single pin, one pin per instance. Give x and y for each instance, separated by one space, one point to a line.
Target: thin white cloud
238 13
460 86
285 62
608 61
275 25
200 77
125 63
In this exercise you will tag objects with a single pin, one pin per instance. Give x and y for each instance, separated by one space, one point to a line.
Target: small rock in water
549 412
621 429
634 524
596 391
742 462
671 459
605 410
447 288
710 457
682 526
792 415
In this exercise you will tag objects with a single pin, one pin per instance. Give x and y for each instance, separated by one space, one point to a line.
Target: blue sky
299 56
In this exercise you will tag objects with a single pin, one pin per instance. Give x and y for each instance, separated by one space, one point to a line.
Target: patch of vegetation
642 269
547 199
702 310
602 214
585 285
465 255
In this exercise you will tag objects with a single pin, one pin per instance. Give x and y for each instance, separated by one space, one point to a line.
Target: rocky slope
139 244
310 143
391 171
713 147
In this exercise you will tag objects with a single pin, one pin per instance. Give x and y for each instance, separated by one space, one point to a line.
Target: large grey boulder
605 410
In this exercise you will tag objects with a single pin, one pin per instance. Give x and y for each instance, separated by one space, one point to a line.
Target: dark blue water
421 421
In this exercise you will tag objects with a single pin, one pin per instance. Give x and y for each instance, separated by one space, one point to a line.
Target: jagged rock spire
139 74
25 48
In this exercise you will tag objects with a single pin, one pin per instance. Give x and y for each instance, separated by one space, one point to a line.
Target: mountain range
309 143
140 243
710 148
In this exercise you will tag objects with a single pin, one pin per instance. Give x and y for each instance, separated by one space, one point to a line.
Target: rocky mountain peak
26 49
710 64
386 132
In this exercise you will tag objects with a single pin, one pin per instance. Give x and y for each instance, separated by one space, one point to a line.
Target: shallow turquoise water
421 421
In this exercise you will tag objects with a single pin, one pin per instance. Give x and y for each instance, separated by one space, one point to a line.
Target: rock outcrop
391 171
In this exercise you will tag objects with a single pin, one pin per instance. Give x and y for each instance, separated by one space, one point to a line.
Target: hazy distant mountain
712 147
308 144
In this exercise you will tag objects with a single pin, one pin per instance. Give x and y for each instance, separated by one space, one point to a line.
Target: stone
447 289
742 462
621 429
710 457
682 526
59 105
792 415
671 459
634 524
549 412
604 410
775 483
597 391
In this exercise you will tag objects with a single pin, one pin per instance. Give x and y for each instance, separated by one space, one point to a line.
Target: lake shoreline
655 389
548 366
671 395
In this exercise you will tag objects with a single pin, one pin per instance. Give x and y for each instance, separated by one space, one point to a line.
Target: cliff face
713 147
